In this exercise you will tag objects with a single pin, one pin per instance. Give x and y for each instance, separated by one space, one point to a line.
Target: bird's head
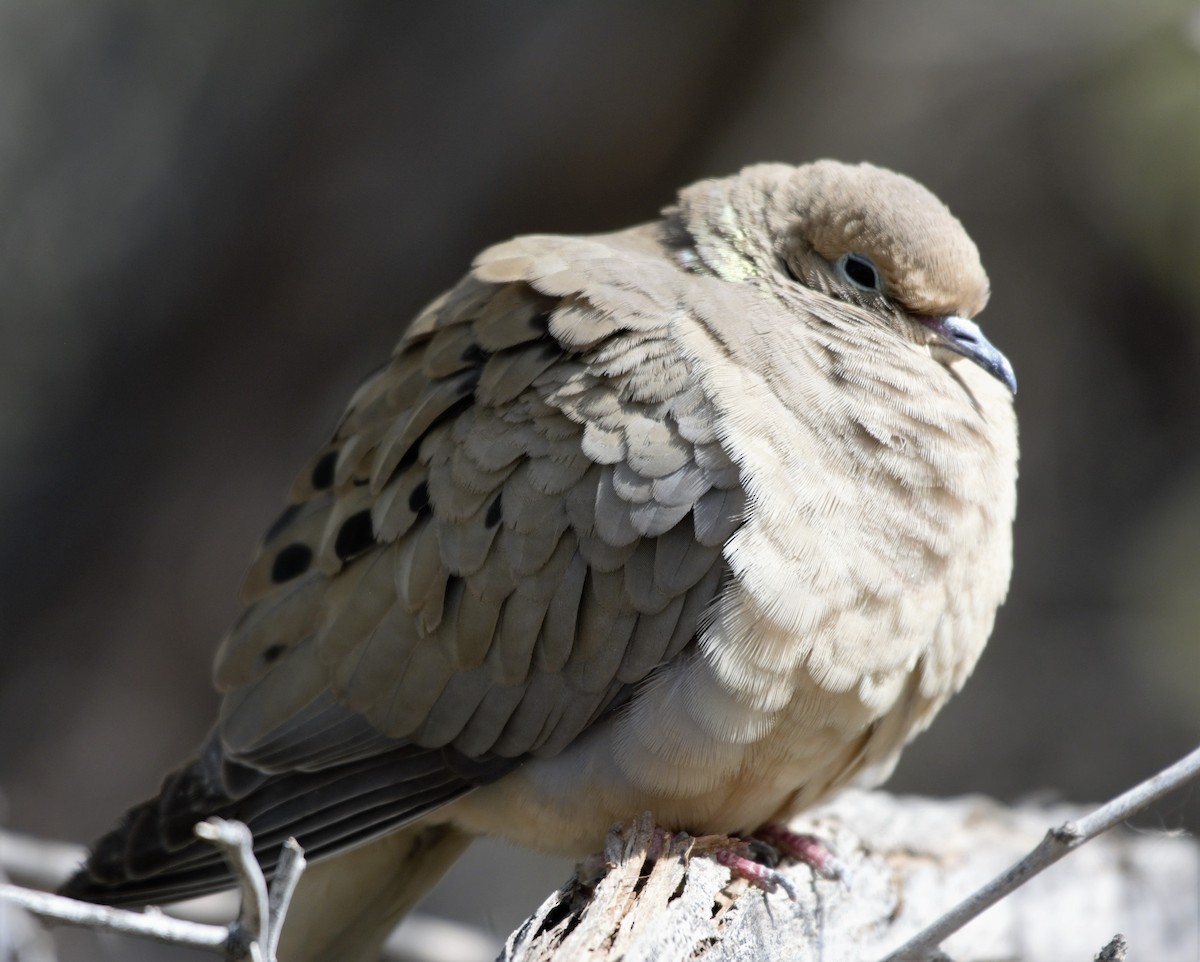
858 234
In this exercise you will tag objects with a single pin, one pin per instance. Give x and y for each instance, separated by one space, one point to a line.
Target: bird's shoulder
521 513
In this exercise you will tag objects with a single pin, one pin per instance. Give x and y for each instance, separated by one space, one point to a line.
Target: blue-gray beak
964 337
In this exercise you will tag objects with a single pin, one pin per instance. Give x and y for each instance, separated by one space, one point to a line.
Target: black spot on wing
453 595
322 472
407 461
291 562
474 354
494 513
418 501
355 536
272 652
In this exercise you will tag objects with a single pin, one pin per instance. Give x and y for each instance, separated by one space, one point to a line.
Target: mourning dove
706 517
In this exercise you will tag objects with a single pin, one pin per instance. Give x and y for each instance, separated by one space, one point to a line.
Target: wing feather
518 519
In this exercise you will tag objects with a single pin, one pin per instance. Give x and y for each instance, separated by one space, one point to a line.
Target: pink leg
804 848
759 875
735 854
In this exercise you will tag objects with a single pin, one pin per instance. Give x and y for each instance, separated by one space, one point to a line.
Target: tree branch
255 934
658 899
904 858
1057 843
150 925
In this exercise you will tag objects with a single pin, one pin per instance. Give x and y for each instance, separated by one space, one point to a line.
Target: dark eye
860 272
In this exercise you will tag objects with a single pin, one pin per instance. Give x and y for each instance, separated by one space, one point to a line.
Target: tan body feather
686 518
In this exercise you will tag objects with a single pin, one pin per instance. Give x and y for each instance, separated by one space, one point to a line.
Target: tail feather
154 855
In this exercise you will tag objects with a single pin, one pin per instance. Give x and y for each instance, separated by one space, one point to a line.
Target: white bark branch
148 925
907 858
1057 843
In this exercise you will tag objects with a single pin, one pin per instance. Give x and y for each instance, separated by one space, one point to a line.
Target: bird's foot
755 859
803 848
745 866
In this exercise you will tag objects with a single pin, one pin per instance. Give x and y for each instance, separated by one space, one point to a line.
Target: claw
759 875
804 848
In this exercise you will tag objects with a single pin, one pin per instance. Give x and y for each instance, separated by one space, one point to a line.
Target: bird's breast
775 707
865 578
864 581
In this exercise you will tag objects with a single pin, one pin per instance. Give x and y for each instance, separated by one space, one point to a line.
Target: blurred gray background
215 218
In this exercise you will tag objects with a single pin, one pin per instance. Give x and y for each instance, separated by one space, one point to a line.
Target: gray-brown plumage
706 517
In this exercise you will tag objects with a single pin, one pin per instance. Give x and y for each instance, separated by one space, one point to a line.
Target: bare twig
254 936
237 845
154 925
44 864
1057 843
287 874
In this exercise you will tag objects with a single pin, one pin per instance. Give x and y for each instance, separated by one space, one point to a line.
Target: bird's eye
860 272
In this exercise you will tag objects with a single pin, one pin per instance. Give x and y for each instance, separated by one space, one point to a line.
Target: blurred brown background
216 217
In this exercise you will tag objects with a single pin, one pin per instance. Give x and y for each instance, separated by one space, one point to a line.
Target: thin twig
237 845
1057 843
43 865
254 936
287 874
150 925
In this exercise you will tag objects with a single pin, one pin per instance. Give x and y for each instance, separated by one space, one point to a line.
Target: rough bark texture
908 860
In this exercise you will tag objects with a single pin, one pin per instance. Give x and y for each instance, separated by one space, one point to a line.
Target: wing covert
518 517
